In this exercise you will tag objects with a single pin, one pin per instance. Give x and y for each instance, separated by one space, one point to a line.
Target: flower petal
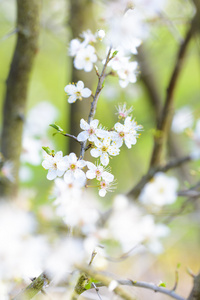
86 93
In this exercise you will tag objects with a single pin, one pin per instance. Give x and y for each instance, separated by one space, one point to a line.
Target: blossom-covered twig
105 280
96 97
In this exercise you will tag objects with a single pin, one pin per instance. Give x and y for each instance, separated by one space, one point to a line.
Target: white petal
72 99
81 163
58 156
90 174
119 127
88 67
84 125
47 164
107 176
91 166
72 158
52 174
86 93
102 192
70 89
104 159
83 136
94 123
80 85
79 174
112 150
95 152
63 164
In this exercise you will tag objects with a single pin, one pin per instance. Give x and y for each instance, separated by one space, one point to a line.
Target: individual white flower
104 149
182 119
77 91
123 112
161 190
98 172
127 133
73 167
127 73
88 37
101 34
85 58
51 163
117 62
105 186
89 131
74 46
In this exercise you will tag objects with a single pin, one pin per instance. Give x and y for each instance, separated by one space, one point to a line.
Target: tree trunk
81 18
28 13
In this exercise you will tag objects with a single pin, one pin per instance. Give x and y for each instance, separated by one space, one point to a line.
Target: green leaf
162 284
88 286
47 150
57 127
114 53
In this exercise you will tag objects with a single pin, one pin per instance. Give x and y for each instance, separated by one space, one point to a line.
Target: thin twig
105 280
71 136
95 99
146 178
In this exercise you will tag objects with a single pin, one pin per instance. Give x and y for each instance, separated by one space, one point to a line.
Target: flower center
72 167
121 134
55 166
91 131
104 149
98 172
78 94
103 184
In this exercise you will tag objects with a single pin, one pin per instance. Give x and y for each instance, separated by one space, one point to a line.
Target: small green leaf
162 284
88 286
114 53
47 150
57 127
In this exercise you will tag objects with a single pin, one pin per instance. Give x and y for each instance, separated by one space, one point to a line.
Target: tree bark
28 18
81 19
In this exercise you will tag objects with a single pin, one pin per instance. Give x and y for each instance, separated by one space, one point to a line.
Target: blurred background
47 103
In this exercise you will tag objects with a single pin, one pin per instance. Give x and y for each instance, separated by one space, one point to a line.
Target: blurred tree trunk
28 18
81 18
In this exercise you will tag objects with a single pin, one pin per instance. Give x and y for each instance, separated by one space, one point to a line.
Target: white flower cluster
103 143
85 56
83 52
160 191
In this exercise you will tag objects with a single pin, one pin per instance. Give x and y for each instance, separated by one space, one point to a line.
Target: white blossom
85 58
127 73
77 92
127 133
98 172
182 119
105 186
104 149
89 131
74 46
122 111
51 163
73 167
161 190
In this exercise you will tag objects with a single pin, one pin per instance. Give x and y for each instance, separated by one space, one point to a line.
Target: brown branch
105 280
28 13
166 116
34 288
195 293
